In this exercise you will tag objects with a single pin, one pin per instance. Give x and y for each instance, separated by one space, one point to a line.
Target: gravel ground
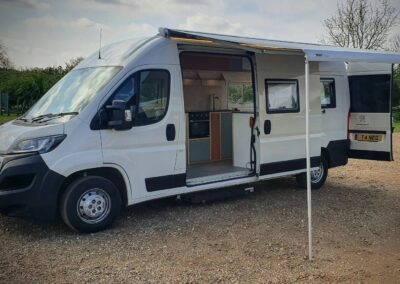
258 238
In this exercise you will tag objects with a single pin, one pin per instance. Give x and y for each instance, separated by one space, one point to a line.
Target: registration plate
369 137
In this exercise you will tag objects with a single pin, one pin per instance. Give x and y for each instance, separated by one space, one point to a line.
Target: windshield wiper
22 118
52 115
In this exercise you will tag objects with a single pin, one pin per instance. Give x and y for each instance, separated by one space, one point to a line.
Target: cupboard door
215 136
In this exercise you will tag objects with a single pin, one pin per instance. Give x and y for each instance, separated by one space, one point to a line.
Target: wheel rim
317 174
94 205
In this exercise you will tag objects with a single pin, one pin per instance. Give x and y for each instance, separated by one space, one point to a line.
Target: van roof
115 54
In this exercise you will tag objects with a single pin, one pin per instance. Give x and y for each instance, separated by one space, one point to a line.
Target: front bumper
28 188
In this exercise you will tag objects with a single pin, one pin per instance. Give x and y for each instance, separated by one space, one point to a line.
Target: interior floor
214 169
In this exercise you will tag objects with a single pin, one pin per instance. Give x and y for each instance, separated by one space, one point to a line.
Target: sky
39 33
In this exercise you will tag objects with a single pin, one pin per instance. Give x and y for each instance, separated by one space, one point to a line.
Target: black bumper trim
338 152
370 155
39 199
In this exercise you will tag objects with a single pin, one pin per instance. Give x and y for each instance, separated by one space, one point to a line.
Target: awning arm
307 83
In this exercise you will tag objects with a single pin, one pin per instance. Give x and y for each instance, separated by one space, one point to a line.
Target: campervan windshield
73 92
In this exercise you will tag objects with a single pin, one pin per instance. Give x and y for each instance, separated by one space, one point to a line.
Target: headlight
41 145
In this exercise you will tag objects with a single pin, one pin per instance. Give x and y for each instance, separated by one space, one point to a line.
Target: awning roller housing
313 52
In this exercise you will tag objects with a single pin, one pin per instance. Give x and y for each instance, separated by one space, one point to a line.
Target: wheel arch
111 173
325 153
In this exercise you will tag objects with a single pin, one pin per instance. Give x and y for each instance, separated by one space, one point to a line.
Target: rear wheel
90 204
318 176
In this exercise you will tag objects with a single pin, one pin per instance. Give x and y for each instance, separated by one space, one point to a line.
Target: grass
397 127
5 118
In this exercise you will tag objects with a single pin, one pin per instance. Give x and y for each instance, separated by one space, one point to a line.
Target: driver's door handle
170 132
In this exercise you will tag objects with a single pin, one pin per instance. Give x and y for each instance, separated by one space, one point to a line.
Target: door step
218 194
216 178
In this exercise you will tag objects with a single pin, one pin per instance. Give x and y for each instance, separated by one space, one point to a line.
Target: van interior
219 102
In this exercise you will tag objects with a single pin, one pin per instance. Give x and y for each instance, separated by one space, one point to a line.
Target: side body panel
282 151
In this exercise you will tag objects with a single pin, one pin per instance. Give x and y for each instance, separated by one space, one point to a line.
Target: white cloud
139 30
151 7
30 4
47 22
214 24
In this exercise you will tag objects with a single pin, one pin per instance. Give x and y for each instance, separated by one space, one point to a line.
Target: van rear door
370 116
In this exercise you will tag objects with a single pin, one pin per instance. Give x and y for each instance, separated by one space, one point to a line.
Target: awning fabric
314 52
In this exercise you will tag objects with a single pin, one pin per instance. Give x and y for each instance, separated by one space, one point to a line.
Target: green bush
396 113
25 87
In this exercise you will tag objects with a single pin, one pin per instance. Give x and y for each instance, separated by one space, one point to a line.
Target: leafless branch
394 43
361 24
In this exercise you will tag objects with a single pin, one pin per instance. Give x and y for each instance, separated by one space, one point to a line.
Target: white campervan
185 112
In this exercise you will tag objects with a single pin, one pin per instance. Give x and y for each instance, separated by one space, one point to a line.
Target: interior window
370 93
328 96
282 96
240 96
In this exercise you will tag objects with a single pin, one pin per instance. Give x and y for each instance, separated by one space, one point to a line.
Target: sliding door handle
267 126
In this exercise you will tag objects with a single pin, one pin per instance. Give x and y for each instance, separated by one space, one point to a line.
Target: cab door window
147 95
153 96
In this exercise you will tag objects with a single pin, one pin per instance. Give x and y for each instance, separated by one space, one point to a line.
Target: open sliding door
370 118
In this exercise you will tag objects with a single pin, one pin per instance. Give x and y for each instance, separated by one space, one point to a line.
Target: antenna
100 44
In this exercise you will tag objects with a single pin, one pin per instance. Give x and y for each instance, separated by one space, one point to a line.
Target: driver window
147 95
154 95
126 92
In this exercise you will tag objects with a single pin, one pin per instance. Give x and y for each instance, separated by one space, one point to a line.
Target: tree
72 63
361 24
4 60
394 43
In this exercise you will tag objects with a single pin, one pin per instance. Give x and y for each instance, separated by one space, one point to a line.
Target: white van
184 112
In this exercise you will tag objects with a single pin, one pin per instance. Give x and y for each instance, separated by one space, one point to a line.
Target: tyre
90 204
318 176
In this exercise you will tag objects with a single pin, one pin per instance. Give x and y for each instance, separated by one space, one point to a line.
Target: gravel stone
261 238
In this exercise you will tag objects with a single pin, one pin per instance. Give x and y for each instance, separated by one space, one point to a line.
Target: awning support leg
307 79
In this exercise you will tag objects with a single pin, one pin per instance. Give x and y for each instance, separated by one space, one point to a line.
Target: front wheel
318 176
90 204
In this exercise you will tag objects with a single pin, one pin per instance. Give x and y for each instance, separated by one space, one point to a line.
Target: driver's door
147 152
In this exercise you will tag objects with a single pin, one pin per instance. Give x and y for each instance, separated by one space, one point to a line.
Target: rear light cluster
251 122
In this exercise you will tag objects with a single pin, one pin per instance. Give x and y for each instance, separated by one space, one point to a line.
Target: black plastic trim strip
338 152
368 131
370 155
165 182
287 166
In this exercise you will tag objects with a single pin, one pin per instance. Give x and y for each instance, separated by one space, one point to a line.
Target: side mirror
119 116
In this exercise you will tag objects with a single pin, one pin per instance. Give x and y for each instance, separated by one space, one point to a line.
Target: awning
314 52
